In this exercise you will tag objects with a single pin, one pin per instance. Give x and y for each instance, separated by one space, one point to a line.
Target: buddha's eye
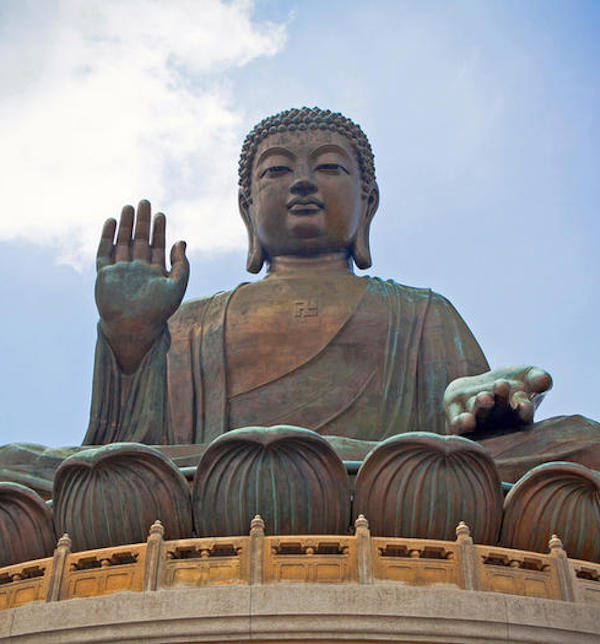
274 171
331 168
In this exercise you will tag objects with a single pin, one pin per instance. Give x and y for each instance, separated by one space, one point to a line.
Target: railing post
364 551
467 557
154 556
257 550
57 574
567 582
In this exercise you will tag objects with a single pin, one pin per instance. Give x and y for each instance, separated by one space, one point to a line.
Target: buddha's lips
305 206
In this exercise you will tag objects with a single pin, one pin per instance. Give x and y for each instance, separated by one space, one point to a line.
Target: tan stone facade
318 588
380 612
257 559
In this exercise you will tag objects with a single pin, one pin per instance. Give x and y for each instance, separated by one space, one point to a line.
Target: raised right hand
135 294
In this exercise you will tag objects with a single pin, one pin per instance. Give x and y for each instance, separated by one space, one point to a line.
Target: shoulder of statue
442 303
424 298
193 311
391 287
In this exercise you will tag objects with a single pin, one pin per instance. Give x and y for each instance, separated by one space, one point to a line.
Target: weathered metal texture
112 495
421 485
26 530
555 498
288 475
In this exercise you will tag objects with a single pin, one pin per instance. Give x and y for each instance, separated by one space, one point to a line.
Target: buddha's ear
256 256
361 250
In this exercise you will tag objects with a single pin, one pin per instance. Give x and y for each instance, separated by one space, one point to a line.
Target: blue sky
484 121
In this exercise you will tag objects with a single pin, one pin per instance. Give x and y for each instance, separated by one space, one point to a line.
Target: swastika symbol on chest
305 309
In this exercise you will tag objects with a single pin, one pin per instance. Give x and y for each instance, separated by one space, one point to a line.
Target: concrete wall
303 612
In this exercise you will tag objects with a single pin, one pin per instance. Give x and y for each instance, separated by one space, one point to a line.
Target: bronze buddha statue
356 359
370 367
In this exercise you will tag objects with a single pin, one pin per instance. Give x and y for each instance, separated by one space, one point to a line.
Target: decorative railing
259 559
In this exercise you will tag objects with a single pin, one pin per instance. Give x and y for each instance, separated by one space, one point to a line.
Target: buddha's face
306 194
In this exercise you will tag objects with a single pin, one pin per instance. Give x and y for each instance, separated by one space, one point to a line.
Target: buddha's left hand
502 398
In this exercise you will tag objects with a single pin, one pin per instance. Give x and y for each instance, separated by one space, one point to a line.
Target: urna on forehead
307 119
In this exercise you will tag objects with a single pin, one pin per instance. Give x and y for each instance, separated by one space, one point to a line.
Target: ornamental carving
112 495
555 498
422 485
26 530
288 475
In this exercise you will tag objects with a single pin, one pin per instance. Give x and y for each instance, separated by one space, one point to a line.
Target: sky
483 117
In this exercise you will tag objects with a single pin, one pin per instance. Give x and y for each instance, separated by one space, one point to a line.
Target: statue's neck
297 266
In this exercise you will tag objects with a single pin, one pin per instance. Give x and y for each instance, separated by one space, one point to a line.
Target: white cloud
112 101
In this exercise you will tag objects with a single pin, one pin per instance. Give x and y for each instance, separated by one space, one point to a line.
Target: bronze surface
26 528
421 485
555 498
288 475
111 496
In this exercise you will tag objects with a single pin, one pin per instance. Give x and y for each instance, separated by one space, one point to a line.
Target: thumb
538 380
180 267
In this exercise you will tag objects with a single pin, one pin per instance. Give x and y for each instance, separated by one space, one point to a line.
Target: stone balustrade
334 559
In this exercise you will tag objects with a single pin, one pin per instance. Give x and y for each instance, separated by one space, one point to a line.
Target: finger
141 236
122 251
158 240
464 423
501 392
105 247
524 408
538 380
180 267
453 409
481 405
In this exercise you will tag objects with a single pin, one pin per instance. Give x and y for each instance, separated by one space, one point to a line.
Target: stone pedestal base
303 612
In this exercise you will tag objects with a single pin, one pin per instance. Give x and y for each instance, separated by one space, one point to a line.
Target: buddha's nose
303 186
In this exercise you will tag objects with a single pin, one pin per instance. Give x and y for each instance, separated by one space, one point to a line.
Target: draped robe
365 386
356 390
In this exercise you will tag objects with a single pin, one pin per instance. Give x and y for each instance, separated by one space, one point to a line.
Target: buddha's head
307 187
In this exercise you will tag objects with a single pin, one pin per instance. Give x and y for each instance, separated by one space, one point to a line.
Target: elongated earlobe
361 249
256 256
